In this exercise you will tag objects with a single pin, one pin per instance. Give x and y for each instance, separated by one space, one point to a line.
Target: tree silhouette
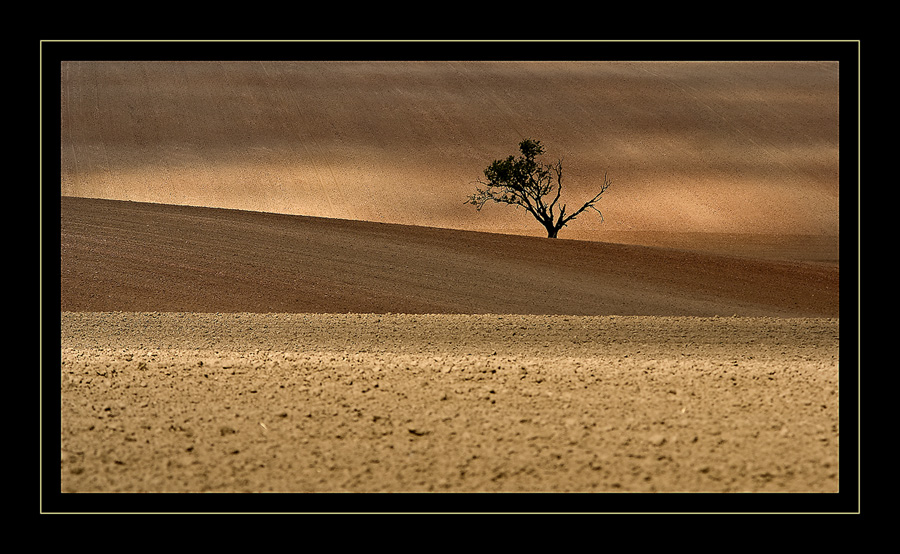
524 181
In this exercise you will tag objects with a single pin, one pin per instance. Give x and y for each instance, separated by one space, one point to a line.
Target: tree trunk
552 232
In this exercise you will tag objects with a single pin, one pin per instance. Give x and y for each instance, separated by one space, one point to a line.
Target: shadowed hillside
128 256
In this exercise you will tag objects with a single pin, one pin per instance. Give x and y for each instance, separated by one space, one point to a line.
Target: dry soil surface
368 339
195 357
447 403
137 257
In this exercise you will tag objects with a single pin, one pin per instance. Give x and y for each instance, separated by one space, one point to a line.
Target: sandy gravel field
447 403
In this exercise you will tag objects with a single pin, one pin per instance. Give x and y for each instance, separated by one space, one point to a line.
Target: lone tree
524 181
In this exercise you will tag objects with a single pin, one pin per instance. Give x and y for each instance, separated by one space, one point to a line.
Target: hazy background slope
691 147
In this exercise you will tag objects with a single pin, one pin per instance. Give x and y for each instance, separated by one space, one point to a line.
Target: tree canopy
524 181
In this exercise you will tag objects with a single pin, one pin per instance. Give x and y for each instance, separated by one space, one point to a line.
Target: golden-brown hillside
691 147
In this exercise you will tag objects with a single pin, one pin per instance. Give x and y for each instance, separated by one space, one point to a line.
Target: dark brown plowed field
127 256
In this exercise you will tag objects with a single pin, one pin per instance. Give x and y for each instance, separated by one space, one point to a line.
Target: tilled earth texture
232 402
270 280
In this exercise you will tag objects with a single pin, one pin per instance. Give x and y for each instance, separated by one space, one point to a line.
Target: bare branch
590 203
558 170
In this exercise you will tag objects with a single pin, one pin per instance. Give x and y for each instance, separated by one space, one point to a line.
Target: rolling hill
735 148
131 256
